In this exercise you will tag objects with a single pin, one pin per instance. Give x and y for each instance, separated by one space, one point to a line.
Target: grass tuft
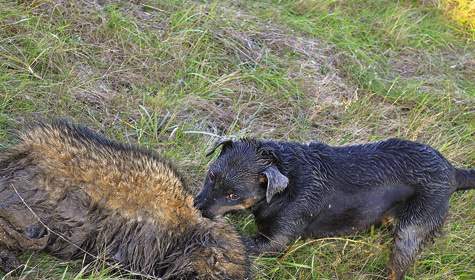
462 13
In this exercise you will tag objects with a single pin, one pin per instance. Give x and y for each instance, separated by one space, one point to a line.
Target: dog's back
77 194
373 165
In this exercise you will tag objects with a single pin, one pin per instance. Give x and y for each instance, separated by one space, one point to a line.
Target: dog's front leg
274 236
268 245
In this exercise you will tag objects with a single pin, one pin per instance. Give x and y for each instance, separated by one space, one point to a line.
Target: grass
462 16
173 75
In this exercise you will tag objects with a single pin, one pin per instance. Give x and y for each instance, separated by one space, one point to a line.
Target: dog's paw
251 246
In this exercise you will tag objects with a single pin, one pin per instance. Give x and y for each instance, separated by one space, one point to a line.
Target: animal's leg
270 246
8 260
417 226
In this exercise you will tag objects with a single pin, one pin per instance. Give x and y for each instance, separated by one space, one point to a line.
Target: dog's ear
225 142
276 182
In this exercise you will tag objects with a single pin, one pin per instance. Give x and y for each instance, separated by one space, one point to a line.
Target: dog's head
243 175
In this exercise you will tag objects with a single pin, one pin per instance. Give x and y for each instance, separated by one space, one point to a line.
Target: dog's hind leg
417 225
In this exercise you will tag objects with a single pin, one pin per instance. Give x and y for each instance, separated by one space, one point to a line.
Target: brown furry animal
69 191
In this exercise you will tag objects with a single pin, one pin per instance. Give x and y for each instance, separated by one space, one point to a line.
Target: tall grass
174 75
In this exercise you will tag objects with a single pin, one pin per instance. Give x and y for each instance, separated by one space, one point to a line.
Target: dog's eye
233 196
211 175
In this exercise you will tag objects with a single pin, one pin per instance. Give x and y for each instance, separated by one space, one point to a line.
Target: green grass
174 75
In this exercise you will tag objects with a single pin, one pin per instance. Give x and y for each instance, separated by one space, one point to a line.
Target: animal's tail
465 179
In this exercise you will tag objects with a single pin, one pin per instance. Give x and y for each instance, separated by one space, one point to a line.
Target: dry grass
173 75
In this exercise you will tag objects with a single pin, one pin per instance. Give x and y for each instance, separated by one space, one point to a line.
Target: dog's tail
465 179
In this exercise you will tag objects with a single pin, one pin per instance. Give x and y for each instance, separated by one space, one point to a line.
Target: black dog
315 190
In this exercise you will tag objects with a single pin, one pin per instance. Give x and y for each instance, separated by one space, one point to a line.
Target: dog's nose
197 203
200 205
207 214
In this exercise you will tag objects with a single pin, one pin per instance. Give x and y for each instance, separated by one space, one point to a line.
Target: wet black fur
315 190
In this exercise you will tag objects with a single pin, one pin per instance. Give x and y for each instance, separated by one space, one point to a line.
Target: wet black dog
315 190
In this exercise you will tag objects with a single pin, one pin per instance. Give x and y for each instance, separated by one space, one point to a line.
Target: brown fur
69 191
